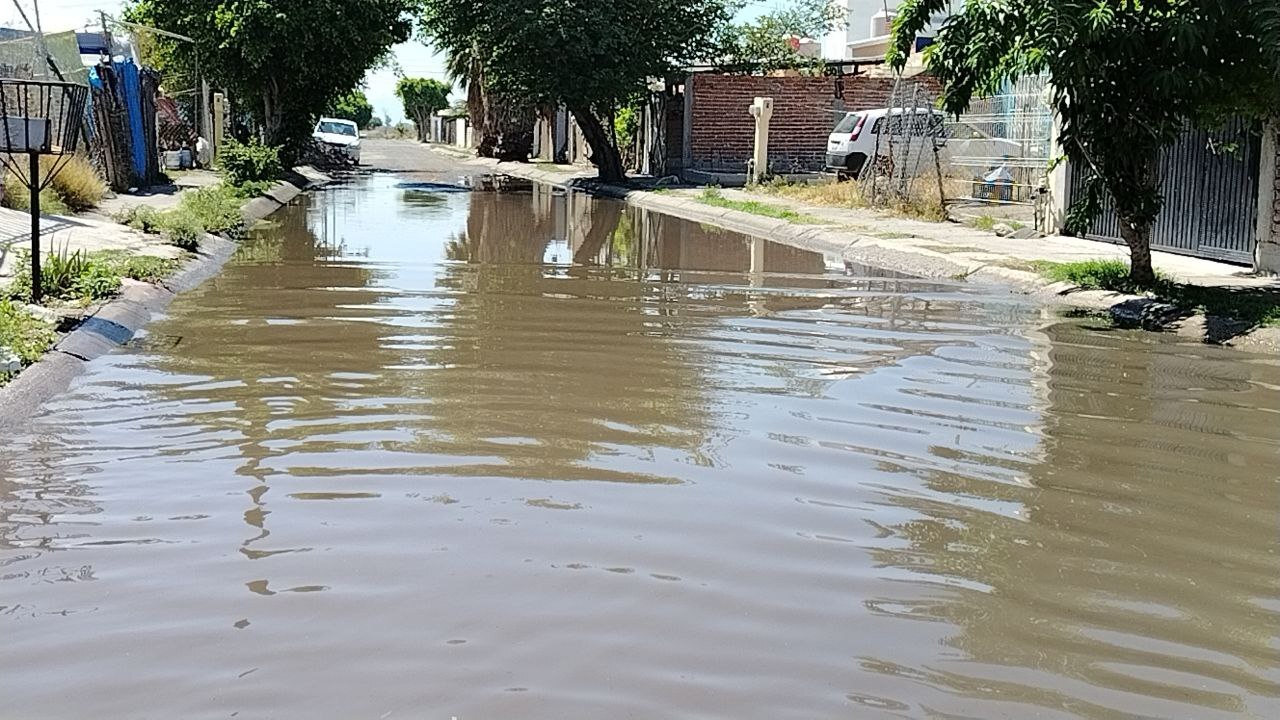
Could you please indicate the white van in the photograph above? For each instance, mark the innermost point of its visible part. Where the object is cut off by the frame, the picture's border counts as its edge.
(855, 137)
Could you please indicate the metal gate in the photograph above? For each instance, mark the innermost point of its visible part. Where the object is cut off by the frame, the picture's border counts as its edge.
(1210, 186)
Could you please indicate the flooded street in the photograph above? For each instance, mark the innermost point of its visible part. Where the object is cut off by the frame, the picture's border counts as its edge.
(421, 453)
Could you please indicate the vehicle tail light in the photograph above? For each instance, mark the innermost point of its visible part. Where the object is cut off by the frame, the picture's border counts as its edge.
(857, 129)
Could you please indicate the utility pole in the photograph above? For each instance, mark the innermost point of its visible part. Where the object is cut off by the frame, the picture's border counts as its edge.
(106, 33)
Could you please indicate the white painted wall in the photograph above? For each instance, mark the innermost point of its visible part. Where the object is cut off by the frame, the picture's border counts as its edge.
(858, 17)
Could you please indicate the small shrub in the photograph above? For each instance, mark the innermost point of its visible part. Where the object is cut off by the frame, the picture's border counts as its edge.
(140, 217)
(17, 197)
(96, 281)
(75, 188)
(77, 184)
(983, 222)
(252, 188)
(713, 196)
(181, 229)
(69, 276)
(146, 268)
(252, 162)
(216, 208)
(26, 335)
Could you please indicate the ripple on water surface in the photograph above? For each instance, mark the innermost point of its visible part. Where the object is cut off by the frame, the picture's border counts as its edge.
(430, 453)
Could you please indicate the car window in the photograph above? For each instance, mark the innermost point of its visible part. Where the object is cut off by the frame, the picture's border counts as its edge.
(918, 124)
(337, 128)
(847, 123)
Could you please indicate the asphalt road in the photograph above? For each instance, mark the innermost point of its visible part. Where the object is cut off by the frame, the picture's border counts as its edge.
(411, 158)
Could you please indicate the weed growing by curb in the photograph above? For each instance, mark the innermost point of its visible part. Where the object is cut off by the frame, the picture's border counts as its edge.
(712, 196)
(1251, 306)
(23, 334)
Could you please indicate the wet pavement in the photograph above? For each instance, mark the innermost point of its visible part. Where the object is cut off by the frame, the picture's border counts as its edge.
(426, 453)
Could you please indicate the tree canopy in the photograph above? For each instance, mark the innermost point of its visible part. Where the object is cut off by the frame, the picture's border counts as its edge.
(588, 55)
(768, 42)
(353, 106)
(422, 97)
(1127, 77)
(285, 62)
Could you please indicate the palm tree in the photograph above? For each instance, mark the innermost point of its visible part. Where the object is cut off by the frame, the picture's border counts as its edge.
(503, 125)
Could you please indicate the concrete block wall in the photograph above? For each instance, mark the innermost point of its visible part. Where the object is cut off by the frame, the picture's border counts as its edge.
(1267, 254)
(805, 108)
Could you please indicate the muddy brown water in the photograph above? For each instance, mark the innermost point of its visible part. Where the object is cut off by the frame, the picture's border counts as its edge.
(431, 454)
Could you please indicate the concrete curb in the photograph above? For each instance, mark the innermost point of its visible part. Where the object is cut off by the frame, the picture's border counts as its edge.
(868, 250)
(117, 321)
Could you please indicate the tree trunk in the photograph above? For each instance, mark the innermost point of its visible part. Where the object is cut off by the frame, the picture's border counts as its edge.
(1135, 190)
(512, 123)
(604, 154)
(1138, 237)
(272, 117)
(421, 124)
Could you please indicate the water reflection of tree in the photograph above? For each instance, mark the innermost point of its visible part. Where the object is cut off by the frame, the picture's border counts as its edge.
(300, 317)
(1143, 553)
(557, 375)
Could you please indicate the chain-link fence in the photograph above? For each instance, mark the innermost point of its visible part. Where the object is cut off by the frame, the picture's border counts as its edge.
(991, 161)
(998, 153)
(905, 167)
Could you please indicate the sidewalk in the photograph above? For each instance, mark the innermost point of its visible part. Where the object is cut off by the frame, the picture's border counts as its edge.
(89, 233)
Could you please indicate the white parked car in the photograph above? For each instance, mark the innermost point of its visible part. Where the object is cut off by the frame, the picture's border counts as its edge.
(859, 135)
(341, 134)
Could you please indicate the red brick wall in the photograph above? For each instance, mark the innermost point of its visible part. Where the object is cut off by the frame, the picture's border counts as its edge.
(804, 111)
(722, 130)
(865, 92)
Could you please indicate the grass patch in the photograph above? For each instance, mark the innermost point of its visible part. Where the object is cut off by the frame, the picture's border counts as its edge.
(213, 209)
(144, 268)
(216, 208)
(139, 217)
(1098, 274)
(922, 205)
(74, 277)
(712, 196)
(24, 335)
(949, 249)
(985, 223)
(81, 278)
(1251, 306)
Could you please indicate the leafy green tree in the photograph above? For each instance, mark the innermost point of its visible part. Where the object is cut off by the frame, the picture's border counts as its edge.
(587, 55)
(1127, 77)
(768, 42)
(422, 98)
(284, 61)
(501, 122)
(353, 106)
